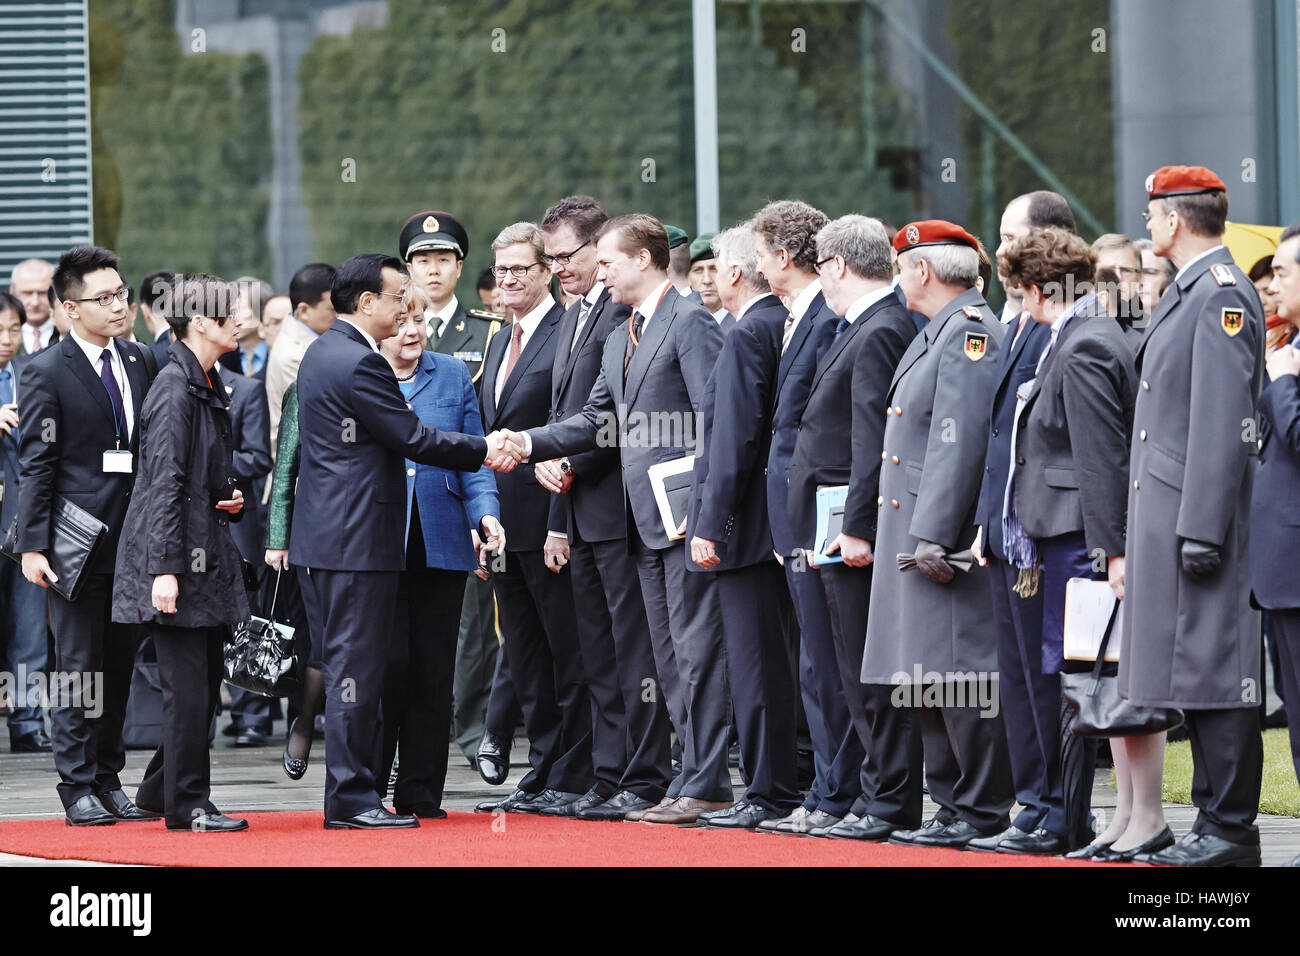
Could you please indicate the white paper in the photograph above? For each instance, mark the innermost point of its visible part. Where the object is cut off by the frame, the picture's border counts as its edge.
(1087, 609)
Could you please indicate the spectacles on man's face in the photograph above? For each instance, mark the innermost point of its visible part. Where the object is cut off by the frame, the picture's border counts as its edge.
(519, 272)
(563, 258)
(819, 265)
(105, 299)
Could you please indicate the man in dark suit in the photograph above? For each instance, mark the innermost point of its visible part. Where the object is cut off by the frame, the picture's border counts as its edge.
(587, 531)
(22, 604)
(840, 435)
(78, 419)
(348, 518)
(535, 606)
(786, 246)
(731, 539)
(156, 290)
(250, 358)
(646, 399)
(1274, 505)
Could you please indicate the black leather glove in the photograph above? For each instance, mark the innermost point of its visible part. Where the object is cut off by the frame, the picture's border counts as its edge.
(930, 562)
(1200, 560)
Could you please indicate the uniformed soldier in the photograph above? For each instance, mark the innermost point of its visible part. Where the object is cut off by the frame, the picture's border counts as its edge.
(931, 649)
(433, 244)
(1191, 639)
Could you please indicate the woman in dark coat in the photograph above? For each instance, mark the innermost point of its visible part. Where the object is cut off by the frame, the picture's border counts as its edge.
(179, 572)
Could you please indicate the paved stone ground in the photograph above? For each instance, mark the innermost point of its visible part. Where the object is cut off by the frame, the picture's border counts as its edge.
(252, 780)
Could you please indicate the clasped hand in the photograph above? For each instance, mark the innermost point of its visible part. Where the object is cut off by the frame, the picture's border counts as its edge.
(505, 449)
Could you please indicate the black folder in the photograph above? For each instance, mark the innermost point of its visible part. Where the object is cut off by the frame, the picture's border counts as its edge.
(75, 538)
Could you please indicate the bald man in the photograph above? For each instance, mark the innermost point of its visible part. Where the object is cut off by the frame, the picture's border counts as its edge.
(30, 284)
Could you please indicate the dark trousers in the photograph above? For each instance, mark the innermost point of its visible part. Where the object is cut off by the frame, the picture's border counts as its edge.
(1286, 630)
(353, 612)
(541, 649)
(760, 655)
(87, 727)
(895, 748)
(22, 630)
(477, 648)
(629, 725)
(686, 628)
(1031, 702)
(178, 780)
(1227, 772)
(503, 713)
(417, 686)
(966, 763)
(846, 595)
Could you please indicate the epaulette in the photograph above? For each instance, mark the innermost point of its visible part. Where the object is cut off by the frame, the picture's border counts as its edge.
(484, 315)
(973, 312)
(1222, 274)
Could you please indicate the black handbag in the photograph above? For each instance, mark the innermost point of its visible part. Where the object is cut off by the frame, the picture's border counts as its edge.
(260, 657)
(1102, 712)
(75, 539)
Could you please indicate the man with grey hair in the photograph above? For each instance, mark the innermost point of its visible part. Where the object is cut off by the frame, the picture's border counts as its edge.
(30, 284)
(931, 655)
(839, 441)
(731, 539)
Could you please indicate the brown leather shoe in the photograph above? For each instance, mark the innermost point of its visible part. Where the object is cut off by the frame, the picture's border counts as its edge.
(686, 811)
(639, 814)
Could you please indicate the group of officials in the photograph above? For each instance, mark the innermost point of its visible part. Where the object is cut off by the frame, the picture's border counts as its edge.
(1047, 444)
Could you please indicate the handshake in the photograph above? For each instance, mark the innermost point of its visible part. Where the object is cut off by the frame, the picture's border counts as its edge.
(505, 449)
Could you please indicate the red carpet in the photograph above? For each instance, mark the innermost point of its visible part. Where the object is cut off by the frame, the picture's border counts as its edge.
(466, 839)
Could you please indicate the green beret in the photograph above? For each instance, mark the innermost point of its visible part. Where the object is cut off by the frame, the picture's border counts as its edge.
(702, 247)
(675, 236)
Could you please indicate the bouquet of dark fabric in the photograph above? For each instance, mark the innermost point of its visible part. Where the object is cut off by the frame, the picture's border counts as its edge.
(260, 656)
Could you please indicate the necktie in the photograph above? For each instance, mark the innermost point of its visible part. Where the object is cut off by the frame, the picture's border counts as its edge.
(516, 341)
(584, 309)
(435, 332)
(1024, 319)
(840, 327)
(789, 330)
(114, 393)
(638, 323)
(248, 364)
(6, 387)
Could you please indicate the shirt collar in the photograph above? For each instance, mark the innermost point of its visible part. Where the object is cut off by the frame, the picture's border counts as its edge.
(93, 352)
(534, 317)
(749, 304)
(1188, 265)
(862, 303)
(651, 302)
(364, 334)
(804, 299)
(594, 293)
(438, 320)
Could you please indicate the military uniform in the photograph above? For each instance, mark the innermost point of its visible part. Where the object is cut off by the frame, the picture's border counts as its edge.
(1189, 642)
(466, 337)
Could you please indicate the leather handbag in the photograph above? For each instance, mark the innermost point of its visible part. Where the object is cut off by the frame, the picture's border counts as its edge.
(260, 656)
(75, 538)
(1102, 712)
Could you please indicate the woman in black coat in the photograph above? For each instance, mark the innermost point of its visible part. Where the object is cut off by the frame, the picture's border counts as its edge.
(178, 572)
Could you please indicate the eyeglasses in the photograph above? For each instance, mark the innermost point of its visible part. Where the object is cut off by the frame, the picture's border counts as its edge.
(819, 265)
(395, 295)
(564, 257)
(519, 272)
(105, 299)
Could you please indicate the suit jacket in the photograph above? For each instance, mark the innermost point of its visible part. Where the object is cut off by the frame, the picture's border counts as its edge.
(525, 403)
(161, 348)
(250, 428)
(282, 369)
(1072, 440)
(1201, 366)
(913, 622)
(451, 502)
(1016, 363)
(467, 336)
(593, 505)
(841, 430)
(811, 338)
(653, 416)
(10, 468)
(65, 424)
(355, 429)
(728, 488)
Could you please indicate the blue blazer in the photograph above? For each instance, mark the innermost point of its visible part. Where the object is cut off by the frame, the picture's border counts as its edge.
(451, 502)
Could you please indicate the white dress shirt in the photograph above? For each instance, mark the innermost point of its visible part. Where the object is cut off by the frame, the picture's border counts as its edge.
(529, 323)
(370, 339)
(749, 304)
(435, 323)
(1192, 262)
(94, 354)
(592, 297)
(36, 337)
(860, 305)
(650, 303)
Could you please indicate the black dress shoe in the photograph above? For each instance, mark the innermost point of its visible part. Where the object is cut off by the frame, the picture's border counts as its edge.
(616, 807)
(425, 810)
(739, 816)
(1165, 838)
(954, 836)
(905, 837)
(1039, 843)
(989, 844)
(510, 804)
(1088, 852)
(376, 819)
(295, 767)
(1202, 849)
(867, 827)
(493, 759)
(546, 799)
(250, 737)
(120, 806)
(89, 812)
(230, 730)
(34, 743)
(212, 823)
(589, 799)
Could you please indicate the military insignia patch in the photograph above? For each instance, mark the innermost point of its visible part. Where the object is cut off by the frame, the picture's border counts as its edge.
(1232, 320)
(976, 342)
(1222, 274)
(430, 224)
(913, 235)
(460, 326)
(1150, 184)
(972, 312)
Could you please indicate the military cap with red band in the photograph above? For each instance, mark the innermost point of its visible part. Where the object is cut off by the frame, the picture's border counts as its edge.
(1183, 181)
(932, 232)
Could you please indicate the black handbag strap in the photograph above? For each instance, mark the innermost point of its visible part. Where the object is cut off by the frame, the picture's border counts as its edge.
(1105, 640)
(270, 613)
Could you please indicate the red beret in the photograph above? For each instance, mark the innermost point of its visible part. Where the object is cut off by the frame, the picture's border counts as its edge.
(1182, 181)
(932, 232)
